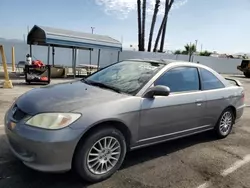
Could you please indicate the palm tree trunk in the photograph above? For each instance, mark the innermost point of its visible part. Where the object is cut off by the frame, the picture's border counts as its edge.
(159, 33)
(156, 9)
(139, 23)
(168, 5)
(143, 24)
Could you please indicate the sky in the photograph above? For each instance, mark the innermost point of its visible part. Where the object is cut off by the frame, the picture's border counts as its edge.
(218, 25)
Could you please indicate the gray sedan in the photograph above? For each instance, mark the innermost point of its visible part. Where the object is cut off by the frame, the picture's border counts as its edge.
(90, 124)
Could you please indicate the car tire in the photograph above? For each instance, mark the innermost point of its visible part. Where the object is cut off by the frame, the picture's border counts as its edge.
(225, 123)
(85, 153)
(247, 75)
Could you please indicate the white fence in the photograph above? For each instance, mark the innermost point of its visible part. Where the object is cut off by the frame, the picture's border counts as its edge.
(221, 65)
(64, 57)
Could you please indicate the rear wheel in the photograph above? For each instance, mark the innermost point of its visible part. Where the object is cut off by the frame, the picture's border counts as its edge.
(100, 155)
(225, 123)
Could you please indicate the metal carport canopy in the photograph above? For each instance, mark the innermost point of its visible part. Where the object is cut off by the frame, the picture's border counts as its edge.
(48, 36)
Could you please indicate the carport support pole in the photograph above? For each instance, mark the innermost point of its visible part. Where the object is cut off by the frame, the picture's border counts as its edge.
(53, 56)
(73, 62)
(98, 60)
(48, 55)
(90, 54)
(30, 50)
(118, 56)
(75, 57)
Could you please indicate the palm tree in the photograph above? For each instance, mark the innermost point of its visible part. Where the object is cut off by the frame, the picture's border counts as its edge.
(139, 23)
(162, 30)
(190, 49)
(156, 9)
(143, 24)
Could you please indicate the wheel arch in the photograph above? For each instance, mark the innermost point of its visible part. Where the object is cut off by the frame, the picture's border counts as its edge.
(105, 124)
(233, 109)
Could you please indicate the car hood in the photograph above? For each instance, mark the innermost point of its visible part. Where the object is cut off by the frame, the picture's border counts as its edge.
(65, 97)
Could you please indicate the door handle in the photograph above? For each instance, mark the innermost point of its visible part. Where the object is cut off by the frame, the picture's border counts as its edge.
(199, 100)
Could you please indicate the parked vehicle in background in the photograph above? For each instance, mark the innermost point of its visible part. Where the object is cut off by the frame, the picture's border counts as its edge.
(245, 67)
(89, 125)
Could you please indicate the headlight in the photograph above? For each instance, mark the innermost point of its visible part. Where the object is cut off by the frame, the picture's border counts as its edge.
(53, 120)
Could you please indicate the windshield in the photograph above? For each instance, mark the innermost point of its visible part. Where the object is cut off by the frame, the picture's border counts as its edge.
(126, 76)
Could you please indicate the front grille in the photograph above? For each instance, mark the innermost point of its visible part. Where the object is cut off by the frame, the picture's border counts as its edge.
(17, 113)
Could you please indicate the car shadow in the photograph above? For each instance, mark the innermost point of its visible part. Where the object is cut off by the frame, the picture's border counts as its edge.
(14, 174)
(165, 148)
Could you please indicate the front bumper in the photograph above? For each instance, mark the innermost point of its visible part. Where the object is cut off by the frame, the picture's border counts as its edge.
(39, 149)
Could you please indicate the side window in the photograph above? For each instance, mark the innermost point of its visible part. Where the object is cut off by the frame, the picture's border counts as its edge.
(180, 79)
(209, 80)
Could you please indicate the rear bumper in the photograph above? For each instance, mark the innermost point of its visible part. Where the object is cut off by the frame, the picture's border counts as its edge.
(239, 112)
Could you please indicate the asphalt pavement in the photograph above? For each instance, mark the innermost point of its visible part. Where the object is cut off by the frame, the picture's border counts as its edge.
(198, 161)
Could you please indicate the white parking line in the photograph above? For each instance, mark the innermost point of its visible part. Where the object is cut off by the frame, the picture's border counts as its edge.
(236, 166)
(226, 172)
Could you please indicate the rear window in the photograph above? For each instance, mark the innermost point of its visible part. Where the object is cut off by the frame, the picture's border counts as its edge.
(209, 80)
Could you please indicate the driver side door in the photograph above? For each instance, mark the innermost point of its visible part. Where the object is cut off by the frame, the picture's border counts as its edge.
(176, 115)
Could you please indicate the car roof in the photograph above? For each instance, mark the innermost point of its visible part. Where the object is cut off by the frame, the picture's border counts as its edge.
(163, 61)
(169, 61)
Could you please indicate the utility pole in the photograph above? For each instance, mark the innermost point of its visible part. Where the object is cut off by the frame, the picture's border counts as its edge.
(92, 30)
(196, 41)
(201, 47)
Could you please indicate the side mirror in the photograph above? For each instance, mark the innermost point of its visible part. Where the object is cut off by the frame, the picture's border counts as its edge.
(159, 90)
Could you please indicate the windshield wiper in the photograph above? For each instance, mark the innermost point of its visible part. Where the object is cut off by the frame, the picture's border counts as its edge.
(102, 85)
(85, 81)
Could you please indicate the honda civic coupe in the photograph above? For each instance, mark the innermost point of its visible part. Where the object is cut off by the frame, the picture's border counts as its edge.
(89, 125)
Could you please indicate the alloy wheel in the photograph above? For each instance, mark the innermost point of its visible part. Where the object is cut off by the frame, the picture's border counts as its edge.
(226, 123)
(103, 155)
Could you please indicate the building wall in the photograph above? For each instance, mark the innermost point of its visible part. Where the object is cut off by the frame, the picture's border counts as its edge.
(64, 56)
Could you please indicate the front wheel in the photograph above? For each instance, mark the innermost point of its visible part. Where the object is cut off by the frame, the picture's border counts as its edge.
(100, 155)
(225, 123)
